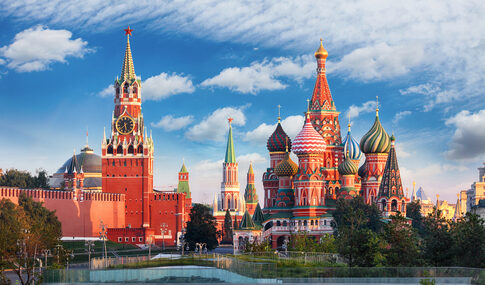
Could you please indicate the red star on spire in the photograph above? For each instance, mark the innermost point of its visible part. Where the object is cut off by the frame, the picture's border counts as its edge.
(230, 120)
(128, 31)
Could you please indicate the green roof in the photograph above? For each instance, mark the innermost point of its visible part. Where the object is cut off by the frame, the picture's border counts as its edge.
(183, 169)
(230, 154)
(246, 222)
(258, 217)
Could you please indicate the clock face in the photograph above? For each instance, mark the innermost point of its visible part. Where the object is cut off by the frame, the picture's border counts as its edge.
(125, 125)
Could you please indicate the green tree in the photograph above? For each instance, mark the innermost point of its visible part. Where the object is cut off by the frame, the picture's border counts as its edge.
(25, 231)
(437, 239)
(202, 227)
(402, 242)
(227, 231)
(356, 224)
(468, 238)
(413, 211)
(23, 179)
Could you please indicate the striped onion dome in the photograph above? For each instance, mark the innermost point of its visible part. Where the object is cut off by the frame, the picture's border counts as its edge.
(277, 141)
(286, 167)
(347, 167)
(308, 141)
(351, 147)
(376, 140)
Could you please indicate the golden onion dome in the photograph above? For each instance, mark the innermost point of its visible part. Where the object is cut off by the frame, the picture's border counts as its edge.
(321, 52)
(286, 167)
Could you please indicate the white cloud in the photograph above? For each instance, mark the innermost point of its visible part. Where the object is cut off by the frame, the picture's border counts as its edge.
(164, 85)
(291, 125)
(159, 87)
(36, 48)
(434, 94)
(106, 92)
(468, 138)
(170, 123)
(399, 116)
(254, 157)
(367, 107)
(263, 75)
(424, 89)
(378, 62)
(215, 127)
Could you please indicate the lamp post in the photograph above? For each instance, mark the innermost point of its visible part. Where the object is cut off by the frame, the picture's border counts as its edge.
(103, 236)
(45, 253)
(182, 241)
(199, 246)
(163, 228)
(89, 244)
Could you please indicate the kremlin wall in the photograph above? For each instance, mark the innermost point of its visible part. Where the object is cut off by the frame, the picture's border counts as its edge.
(116, 188)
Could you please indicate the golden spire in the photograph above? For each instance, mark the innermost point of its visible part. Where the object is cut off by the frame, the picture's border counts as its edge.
(321, 52)
(377, 105)
(349, 122)
(279, 113)
(128, 70)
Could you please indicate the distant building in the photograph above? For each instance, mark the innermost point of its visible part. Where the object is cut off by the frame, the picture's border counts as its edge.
(479, 209)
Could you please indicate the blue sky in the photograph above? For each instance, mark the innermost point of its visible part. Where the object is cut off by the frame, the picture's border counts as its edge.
(202, 61)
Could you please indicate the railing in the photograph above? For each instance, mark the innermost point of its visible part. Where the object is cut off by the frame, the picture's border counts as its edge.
(303, 257)
(225, 268)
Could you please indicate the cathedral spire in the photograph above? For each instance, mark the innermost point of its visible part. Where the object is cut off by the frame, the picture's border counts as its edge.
(230, 154)
(321, 98)
(391, 185)
(128, 70)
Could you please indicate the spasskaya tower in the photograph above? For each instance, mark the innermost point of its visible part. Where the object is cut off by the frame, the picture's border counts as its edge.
(127, 154)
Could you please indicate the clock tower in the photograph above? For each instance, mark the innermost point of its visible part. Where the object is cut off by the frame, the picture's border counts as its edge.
(127, 154)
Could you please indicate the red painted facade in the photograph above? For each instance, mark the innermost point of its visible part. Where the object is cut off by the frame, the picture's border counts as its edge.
(81, 215)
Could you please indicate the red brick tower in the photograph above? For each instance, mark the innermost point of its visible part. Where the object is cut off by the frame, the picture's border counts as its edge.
(324, 118)
(127, 155)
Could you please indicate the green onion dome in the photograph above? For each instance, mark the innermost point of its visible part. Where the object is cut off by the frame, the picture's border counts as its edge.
(376, 140)
(286, 167)
(347, 167)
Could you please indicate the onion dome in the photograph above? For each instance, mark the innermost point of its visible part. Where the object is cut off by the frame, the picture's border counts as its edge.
(308, 141)
(363, 170)
(376, 140)
(286, 167)
(321, 52)
(351, 147)
(277, 141)
(347, 167)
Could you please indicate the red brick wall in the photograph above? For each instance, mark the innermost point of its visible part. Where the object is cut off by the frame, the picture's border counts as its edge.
(78, 218)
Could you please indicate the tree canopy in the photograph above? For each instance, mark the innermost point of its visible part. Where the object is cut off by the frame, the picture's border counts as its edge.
(24, 179)
(26, 230)
(202, 227)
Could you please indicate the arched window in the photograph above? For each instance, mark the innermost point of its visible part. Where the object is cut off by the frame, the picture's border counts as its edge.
(131, 149)
(125, 88)
(394, 205)
(384, 205)
(135, 89)
(278, 223)
(140, 149)
(285, 224)
(403, 207)
(305, 222)
(119, 149)
(110, 149)
(311, 222)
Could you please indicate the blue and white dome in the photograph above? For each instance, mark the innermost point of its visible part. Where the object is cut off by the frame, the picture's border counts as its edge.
(352, 147)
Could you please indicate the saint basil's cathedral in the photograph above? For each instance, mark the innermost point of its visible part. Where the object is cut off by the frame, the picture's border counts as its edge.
(301, 197)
